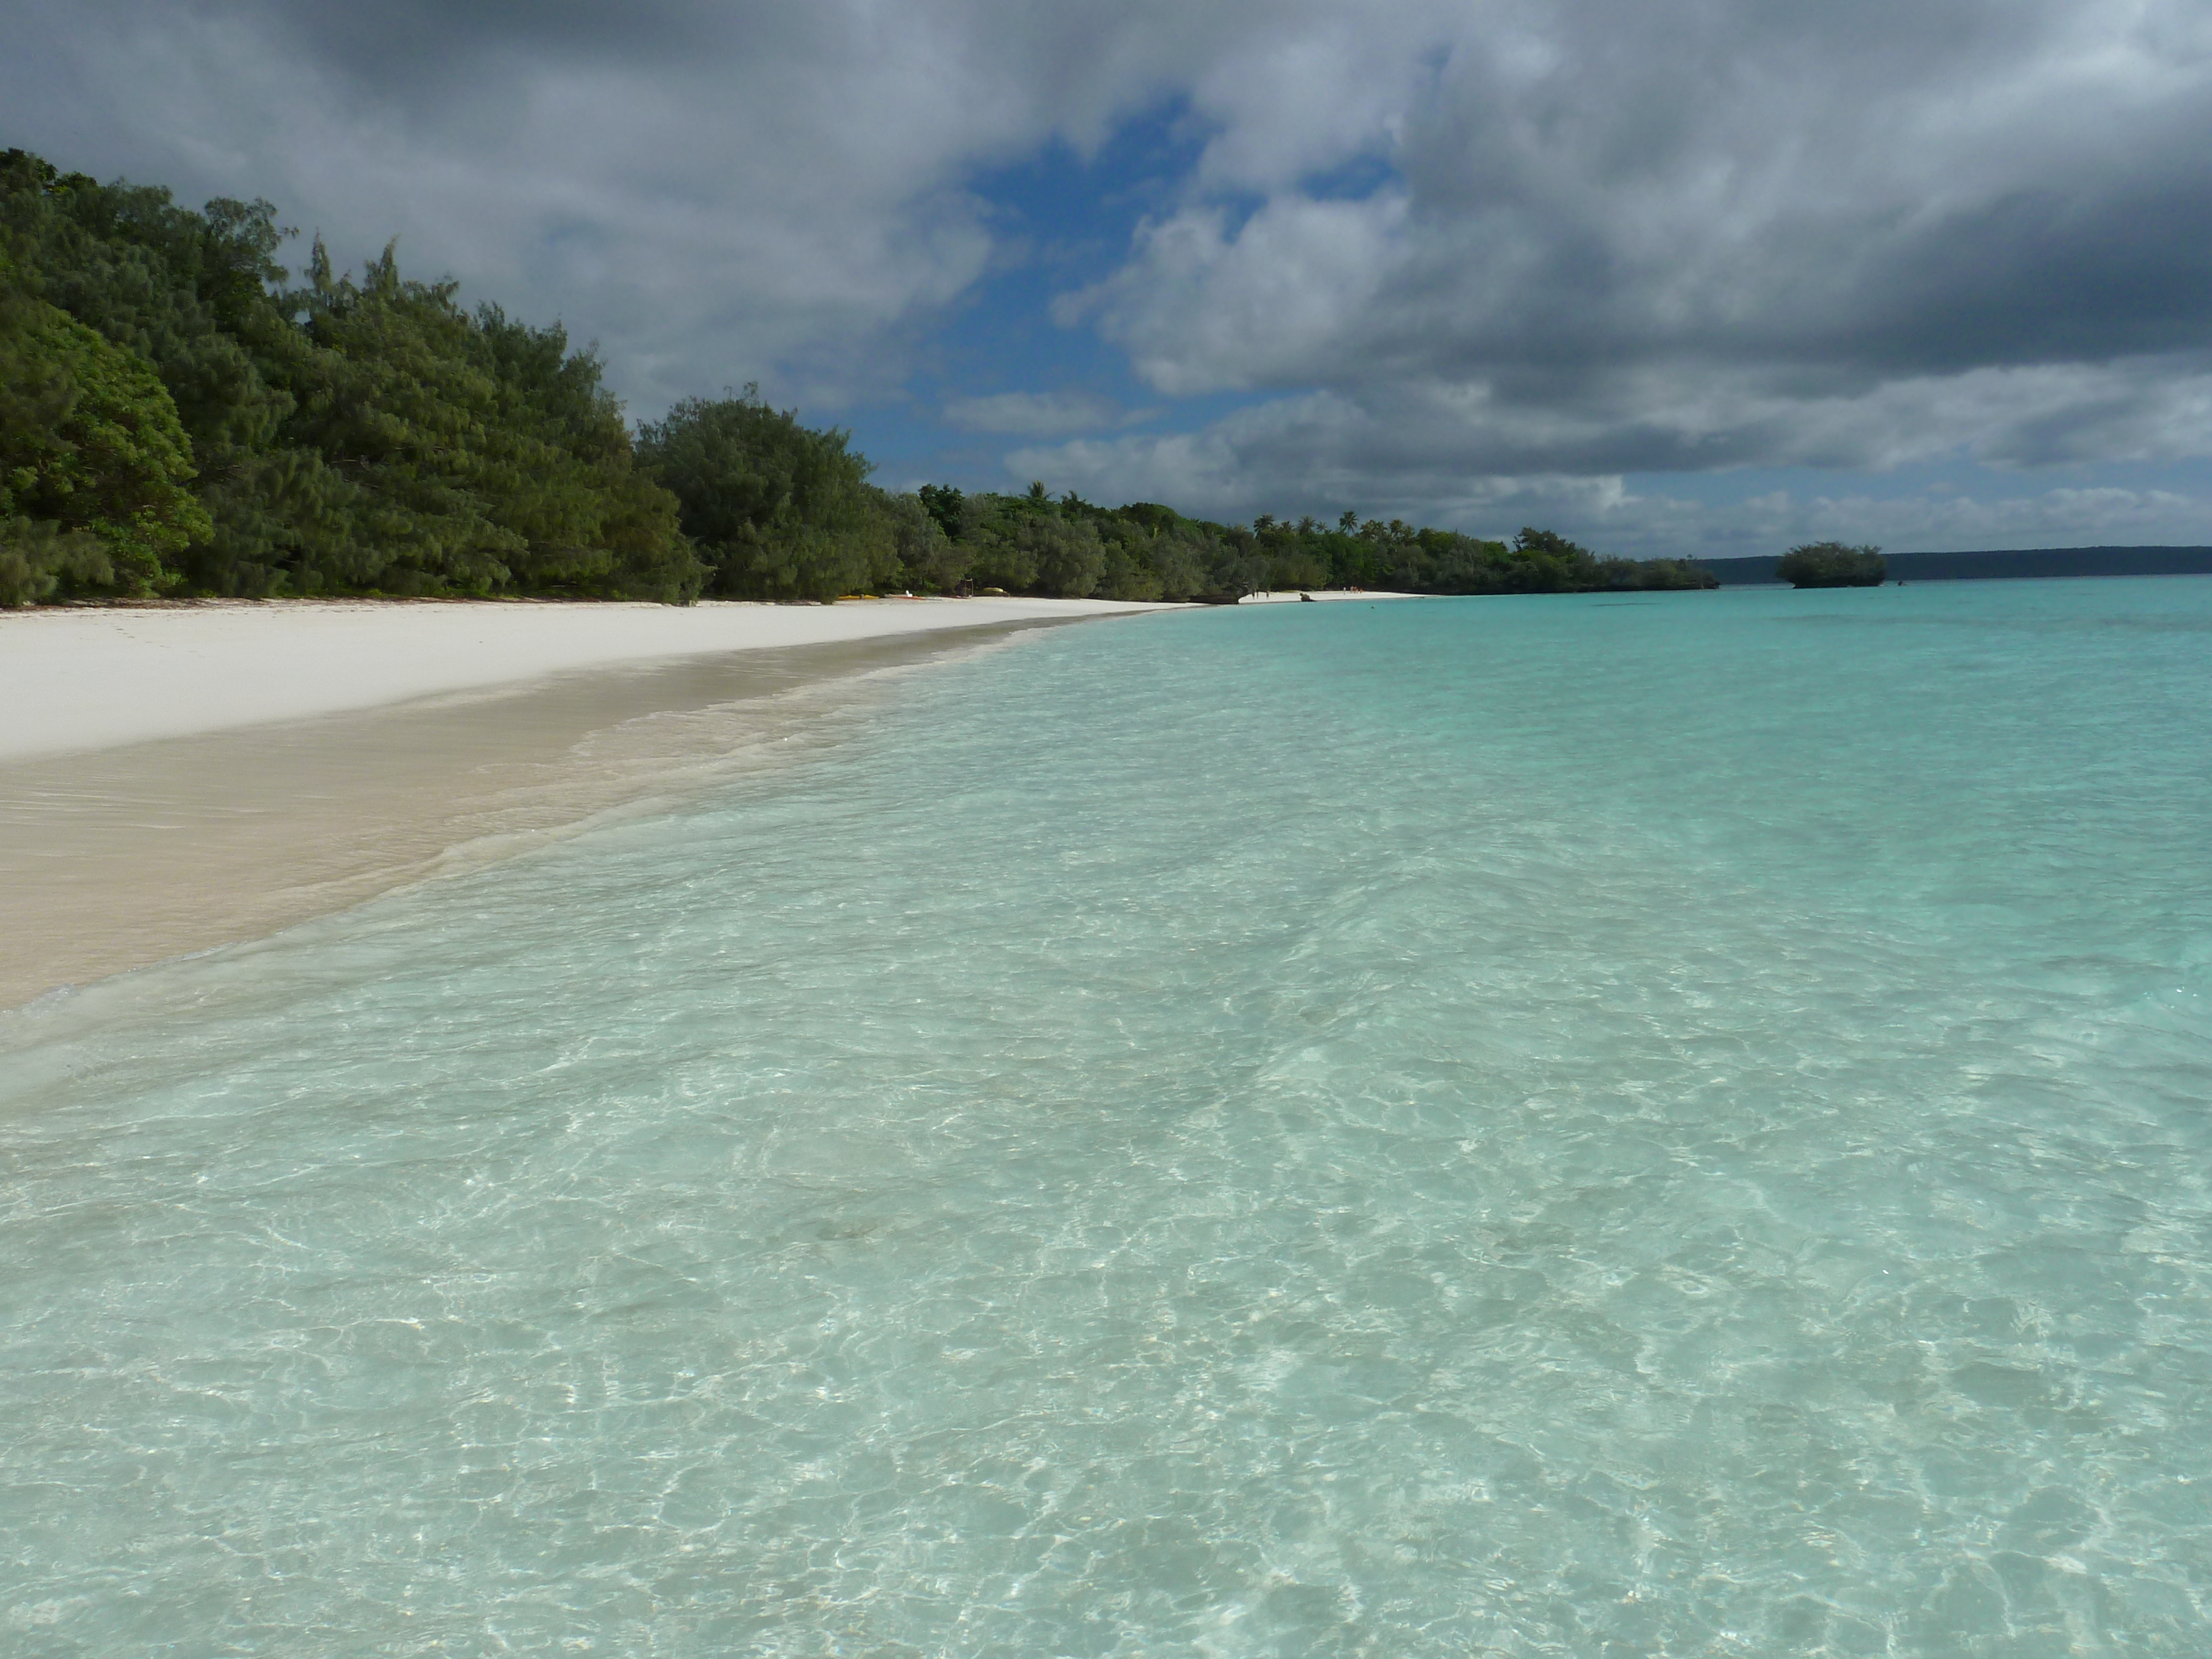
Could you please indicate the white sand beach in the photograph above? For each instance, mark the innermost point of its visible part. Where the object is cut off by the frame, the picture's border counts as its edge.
(1320, 595)
(75, 679)
(178, 777)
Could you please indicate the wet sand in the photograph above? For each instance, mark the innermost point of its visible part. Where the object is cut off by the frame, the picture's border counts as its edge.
(127, 855)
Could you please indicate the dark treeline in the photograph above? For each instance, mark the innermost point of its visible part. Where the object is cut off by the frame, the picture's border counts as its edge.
(1833, 564)
(177, 418)
(1065, 546)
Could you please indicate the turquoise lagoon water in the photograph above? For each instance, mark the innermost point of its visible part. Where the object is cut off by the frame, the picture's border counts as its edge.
(1675, 1125)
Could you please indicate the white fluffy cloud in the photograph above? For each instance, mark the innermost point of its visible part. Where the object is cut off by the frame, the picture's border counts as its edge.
(1202, 309)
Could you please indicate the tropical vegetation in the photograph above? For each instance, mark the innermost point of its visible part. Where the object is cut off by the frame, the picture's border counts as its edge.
(1833, 564)
(178, 416)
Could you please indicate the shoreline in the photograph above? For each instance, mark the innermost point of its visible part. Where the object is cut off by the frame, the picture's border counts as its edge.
(220, 830)
(77, 679)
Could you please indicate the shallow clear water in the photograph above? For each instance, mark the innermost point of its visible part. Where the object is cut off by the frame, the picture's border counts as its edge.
(1565, 1126)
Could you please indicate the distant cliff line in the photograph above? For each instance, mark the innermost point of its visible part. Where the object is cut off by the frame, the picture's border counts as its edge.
(1983, 567)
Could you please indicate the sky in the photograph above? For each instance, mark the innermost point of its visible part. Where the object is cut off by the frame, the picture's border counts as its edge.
(1710, 277)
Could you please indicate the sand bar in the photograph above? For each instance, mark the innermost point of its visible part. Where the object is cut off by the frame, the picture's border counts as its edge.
(175, 779)
(1321, 595)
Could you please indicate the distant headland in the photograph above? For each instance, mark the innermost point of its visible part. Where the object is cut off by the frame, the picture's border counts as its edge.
(1997, 563)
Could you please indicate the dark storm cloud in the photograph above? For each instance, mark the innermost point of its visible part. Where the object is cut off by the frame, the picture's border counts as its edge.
(1448, 252)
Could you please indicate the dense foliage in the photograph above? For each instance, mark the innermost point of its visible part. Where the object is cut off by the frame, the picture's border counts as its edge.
(776, 510)
(174, 418)
(1833, 564)
(1066, 546)
(94, 460)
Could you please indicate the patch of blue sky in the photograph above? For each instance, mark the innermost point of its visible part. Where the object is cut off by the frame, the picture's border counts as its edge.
(1064, 222)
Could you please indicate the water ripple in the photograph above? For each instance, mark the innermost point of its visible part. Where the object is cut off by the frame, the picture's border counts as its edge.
(1429, 1129)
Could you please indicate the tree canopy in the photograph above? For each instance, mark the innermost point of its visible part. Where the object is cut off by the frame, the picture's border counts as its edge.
(776, 510)
(177, 418)
(1833, 564)
(1066, 546)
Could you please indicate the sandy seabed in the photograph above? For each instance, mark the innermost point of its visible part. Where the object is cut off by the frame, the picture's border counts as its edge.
(174, 778)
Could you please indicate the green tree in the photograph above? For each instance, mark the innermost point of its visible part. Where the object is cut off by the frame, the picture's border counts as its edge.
(1177, 558)
(943, 503)
(997, 557)
(1068, 556)
(593, 523)
(929, 560)
(188, 293)
(777, 510)
(1127, 570)
(394, 398)
(1833, 564)
(38, 393)
(38, 557)
(92, 450)
(474, 454)
(350, 436)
